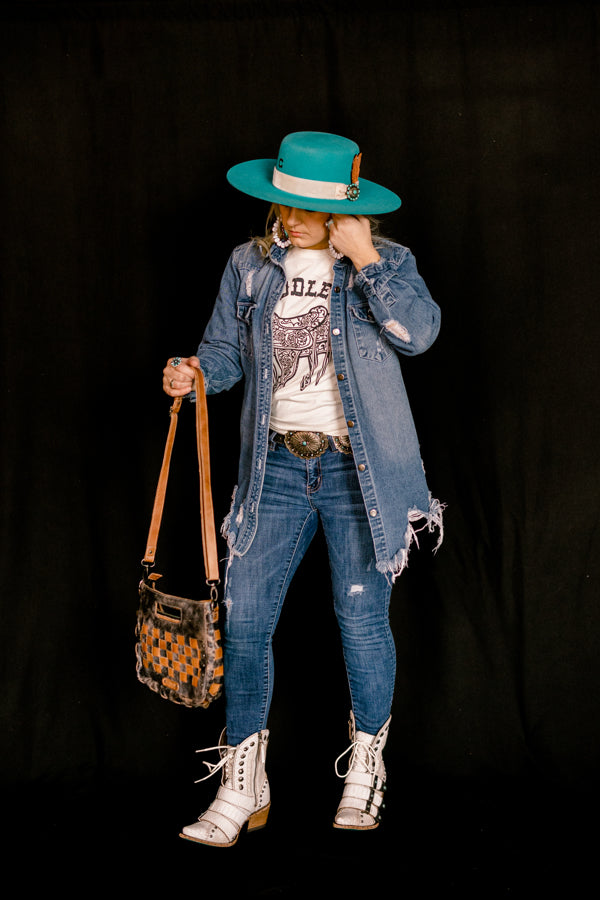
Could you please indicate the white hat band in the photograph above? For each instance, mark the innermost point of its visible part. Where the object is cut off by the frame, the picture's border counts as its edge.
(305, 187)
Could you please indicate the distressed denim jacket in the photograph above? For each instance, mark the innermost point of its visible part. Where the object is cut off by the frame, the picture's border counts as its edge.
(377, 314)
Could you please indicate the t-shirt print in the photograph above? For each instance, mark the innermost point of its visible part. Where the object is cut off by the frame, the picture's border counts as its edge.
(301, 339)
(305, 388)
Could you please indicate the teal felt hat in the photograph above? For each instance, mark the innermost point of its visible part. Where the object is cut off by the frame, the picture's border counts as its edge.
(316, 171)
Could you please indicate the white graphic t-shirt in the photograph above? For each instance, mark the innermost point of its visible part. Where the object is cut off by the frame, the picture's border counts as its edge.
(305, 390)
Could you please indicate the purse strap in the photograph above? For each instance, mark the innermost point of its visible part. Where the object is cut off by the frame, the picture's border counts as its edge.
(207, 516)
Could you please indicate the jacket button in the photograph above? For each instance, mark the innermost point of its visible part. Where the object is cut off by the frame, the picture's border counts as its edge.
(340, 377)
(350, 423)
(336, 331)
(336, 290)
(372, 513)
(361, 467)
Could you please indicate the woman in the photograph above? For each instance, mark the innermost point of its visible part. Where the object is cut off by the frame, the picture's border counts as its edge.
(314, 317)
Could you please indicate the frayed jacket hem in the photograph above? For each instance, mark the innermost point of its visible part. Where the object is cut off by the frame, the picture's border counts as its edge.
(431, 520)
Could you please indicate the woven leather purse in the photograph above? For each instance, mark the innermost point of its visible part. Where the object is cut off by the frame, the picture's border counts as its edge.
(179, 652)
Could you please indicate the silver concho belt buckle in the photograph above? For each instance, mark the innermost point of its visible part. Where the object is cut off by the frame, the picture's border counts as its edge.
(306, 444)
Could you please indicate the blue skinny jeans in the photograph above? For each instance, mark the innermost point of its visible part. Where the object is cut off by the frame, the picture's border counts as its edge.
(297, 494)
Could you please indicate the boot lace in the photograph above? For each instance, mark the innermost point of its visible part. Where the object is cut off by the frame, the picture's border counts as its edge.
(361, 754)
(226, 753)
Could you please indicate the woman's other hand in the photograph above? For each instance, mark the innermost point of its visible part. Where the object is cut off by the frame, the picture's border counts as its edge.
(351, 235)
(178, 380)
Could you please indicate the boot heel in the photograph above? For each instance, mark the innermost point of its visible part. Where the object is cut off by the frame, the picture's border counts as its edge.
(259, 818)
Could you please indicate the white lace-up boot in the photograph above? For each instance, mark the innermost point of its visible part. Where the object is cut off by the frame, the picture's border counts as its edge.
(364, 784)
(243, 797)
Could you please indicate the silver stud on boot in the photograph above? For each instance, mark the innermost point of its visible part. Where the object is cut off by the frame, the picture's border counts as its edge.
(243, 798)
(364, 782)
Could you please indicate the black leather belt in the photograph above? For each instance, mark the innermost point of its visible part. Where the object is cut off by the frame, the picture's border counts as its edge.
(310, 444)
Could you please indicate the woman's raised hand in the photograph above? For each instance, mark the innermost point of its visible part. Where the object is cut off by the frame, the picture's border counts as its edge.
(351, 235)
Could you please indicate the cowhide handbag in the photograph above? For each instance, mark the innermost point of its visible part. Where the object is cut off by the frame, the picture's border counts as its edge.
(179, 652)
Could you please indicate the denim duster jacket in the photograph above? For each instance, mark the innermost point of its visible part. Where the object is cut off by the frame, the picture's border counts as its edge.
(378, 314)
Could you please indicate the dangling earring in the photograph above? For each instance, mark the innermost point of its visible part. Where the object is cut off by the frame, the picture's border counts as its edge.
(335, 253)
(277, 232)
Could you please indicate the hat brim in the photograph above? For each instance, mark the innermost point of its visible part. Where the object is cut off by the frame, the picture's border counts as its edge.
(255, 178)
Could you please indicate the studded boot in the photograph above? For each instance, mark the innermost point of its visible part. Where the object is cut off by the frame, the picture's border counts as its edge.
(364, 782)
(242, 799)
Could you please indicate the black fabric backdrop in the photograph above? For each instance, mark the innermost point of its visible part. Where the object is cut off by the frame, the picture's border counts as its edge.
(119, 121)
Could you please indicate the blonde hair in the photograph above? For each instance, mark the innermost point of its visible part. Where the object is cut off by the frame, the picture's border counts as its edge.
(266, 241)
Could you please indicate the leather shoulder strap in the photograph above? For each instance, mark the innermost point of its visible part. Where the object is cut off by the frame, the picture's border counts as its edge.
(209, 538)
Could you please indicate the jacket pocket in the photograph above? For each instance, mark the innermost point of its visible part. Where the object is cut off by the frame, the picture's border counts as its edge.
(369, 340)
(245, 315)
